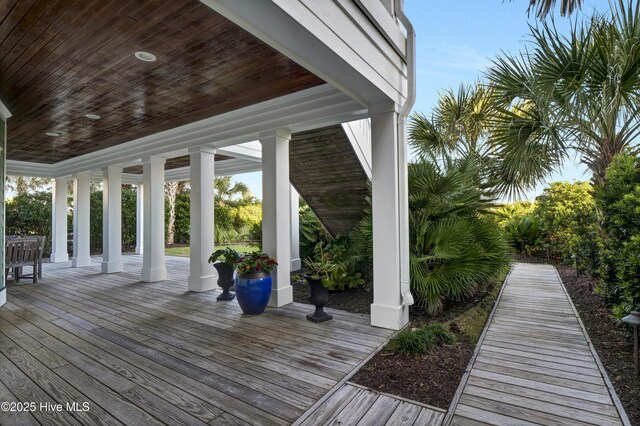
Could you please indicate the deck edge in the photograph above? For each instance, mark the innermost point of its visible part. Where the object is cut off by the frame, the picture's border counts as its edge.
(343, 381)
(465, 377)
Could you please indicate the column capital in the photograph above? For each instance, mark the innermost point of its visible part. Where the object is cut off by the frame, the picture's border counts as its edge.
(85, 173)
(111, 169)
(204, 149)
(275, 133)
(63, 178)
(154, 159)
(383, 108)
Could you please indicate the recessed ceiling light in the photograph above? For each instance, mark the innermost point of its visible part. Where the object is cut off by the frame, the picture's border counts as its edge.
(93, 116)
(146, 56)
(52, 134)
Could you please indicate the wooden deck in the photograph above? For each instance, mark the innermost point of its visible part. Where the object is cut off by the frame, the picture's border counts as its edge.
(152, 354)
(354, 405)
(535, 364)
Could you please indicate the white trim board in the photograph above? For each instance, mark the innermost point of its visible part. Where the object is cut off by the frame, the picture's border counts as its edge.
(4, 111)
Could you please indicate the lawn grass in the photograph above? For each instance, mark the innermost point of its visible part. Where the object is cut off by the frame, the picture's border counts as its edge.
(185, 250)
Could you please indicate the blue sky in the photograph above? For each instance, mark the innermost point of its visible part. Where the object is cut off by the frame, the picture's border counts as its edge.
(456, 40)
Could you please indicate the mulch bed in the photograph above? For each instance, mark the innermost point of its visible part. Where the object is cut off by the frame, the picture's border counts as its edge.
(613, 342)
(432, 379)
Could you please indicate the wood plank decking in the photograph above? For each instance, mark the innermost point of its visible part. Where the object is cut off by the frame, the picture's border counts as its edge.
(535, 364)
(357, 406)
(153, 353)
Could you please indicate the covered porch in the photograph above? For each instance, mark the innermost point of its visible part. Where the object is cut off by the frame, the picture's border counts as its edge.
(141, 353)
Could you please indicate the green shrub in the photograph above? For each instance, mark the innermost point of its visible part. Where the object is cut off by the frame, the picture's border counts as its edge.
(30, 214)
(618, 197)
(419, 341)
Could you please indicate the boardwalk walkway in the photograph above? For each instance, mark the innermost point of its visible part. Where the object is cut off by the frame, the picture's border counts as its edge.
(535, 364)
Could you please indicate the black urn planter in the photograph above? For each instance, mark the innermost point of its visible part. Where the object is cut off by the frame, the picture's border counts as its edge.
(225, 280)
(319, 297)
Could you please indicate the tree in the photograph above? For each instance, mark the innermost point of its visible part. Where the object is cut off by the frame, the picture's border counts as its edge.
(543, 7)
(24, 184)
(172, 190)
(226, 192)
(576, 93)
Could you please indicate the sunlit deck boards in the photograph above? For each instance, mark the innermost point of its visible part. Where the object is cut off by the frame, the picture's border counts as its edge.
(143, 353)
(357, 406)
(535, 365)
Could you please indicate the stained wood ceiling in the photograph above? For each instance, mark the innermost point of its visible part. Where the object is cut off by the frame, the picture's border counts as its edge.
(62, 59)
(172, 163)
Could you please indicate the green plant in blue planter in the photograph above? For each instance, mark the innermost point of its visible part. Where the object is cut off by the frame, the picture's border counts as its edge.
(253, 281)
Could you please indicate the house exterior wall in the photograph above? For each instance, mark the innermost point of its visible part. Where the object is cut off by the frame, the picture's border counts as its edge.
(3, 142)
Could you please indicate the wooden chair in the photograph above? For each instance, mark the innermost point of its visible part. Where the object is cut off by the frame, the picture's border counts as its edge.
(21, 252)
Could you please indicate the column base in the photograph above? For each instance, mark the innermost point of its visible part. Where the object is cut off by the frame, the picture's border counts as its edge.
(392, 317)
(281, 296)
(112, 267)
(79, 262)
(200, 284)
(59, 257)
(296, 264)
(139, 250)
(153, 275)
(3, 296)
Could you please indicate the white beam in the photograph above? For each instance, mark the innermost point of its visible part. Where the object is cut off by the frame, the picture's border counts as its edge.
(202, 275)
(112, 219)
(153, 265)
(81, 220)
(139, 218)
(389, 170)
(276, 211)
(60, 210)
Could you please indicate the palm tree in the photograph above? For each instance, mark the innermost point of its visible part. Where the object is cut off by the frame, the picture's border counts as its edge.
(544, 6)
(459, 124)
(226, 192)
(171, 191)
(575, 93)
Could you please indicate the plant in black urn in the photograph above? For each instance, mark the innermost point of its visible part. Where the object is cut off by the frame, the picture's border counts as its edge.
(317, 272)
(224, 260)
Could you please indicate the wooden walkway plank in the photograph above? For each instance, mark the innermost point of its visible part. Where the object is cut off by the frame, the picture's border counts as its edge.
(534, 363)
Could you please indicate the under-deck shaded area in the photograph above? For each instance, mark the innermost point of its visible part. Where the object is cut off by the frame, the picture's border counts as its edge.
(154, 353)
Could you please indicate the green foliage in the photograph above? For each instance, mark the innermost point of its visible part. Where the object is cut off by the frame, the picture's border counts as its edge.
(455, 245)
(619, 199)
(570, 221)
(227, 255)
(522, 226)
(30, 214)
(419, 341)
(128, 218)
(312, 233)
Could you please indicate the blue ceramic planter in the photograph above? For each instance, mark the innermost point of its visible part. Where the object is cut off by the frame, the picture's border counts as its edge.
(253, 292)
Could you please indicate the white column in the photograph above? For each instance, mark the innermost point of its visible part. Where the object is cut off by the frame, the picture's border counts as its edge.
(81, 220)
(202, 275)
(60, 209)
(139, 218)
(153, 266)
(389, 196)
(112, 219)
(276, 211)
(296, 263)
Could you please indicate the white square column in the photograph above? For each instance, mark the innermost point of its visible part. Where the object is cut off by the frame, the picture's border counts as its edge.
(81, 220)
(111, 219)
(390, 222)
(202, 275)
(59, 231)
(276, 211)
(296, 263)
(139, 218)
(153, 265)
